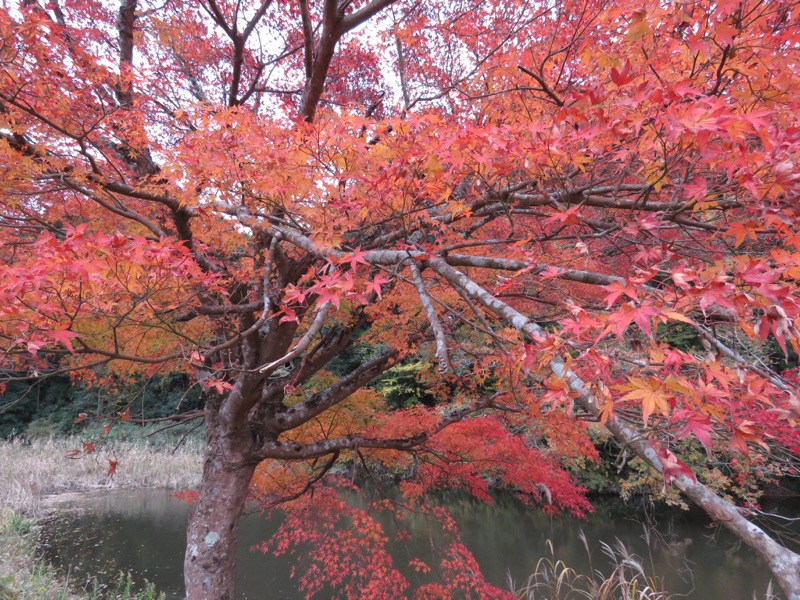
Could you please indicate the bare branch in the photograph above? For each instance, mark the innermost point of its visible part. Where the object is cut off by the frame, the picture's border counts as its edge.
(438, 333)
(113, 355)
(308, 485)
(302, 343)
(308, 38)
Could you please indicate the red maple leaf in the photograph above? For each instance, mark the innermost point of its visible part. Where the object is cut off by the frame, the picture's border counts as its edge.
(695, 424)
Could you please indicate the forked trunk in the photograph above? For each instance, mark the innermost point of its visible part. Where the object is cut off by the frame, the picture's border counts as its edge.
(209, 567)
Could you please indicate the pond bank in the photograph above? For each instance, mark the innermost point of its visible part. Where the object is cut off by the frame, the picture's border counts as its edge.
(21, 575)
(39, 475)
(39, 479)
(24, 575)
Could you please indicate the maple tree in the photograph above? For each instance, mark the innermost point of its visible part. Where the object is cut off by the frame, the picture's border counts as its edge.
(530, 195)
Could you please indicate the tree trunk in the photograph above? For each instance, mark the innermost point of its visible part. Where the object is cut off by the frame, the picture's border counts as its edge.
(209, 567)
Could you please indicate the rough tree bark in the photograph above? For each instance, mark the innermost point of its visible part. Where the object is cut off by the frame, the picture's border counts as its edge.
(210, 561)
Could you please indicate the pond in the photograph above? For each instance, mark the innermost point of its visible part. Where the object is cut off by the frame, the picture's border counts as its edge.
(142, 532)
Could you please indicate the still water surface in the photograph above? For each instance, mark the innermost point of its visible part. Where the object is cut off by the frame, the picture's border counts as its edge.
(142, 532)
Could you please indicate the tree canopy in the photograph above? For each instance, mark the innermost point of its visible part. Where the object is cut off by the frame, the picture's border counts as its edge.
(529, 198)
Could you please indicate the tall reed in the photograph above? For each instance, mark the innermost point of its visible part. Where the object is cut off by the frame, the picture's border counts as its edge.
(625, 579)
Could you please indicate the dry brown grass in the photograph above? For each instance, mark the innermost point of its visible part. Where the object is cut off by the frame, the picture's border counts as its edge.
(552, 579)
(31, 471)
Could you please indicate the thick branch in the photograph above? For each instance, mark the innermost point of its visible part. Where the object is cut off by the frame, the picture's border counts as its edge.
(323, 54)
(125, 24)
(401, 69)
(298, 414)
(334, 25)
(308, 38)
(334, 341)
(544, 87)
(117, 210)
(216, 310)
(364, 14)
(300, 451)
(216, 14)
(128, 190)
(492, 262)
(596, 200)
(238, 60)
(783, 563)
(394, 257)
(260, 12)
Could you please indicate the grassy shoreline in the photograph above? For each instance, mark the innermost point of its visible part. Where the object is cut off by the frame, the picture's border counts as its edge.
(21, 574)
(33, 474)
